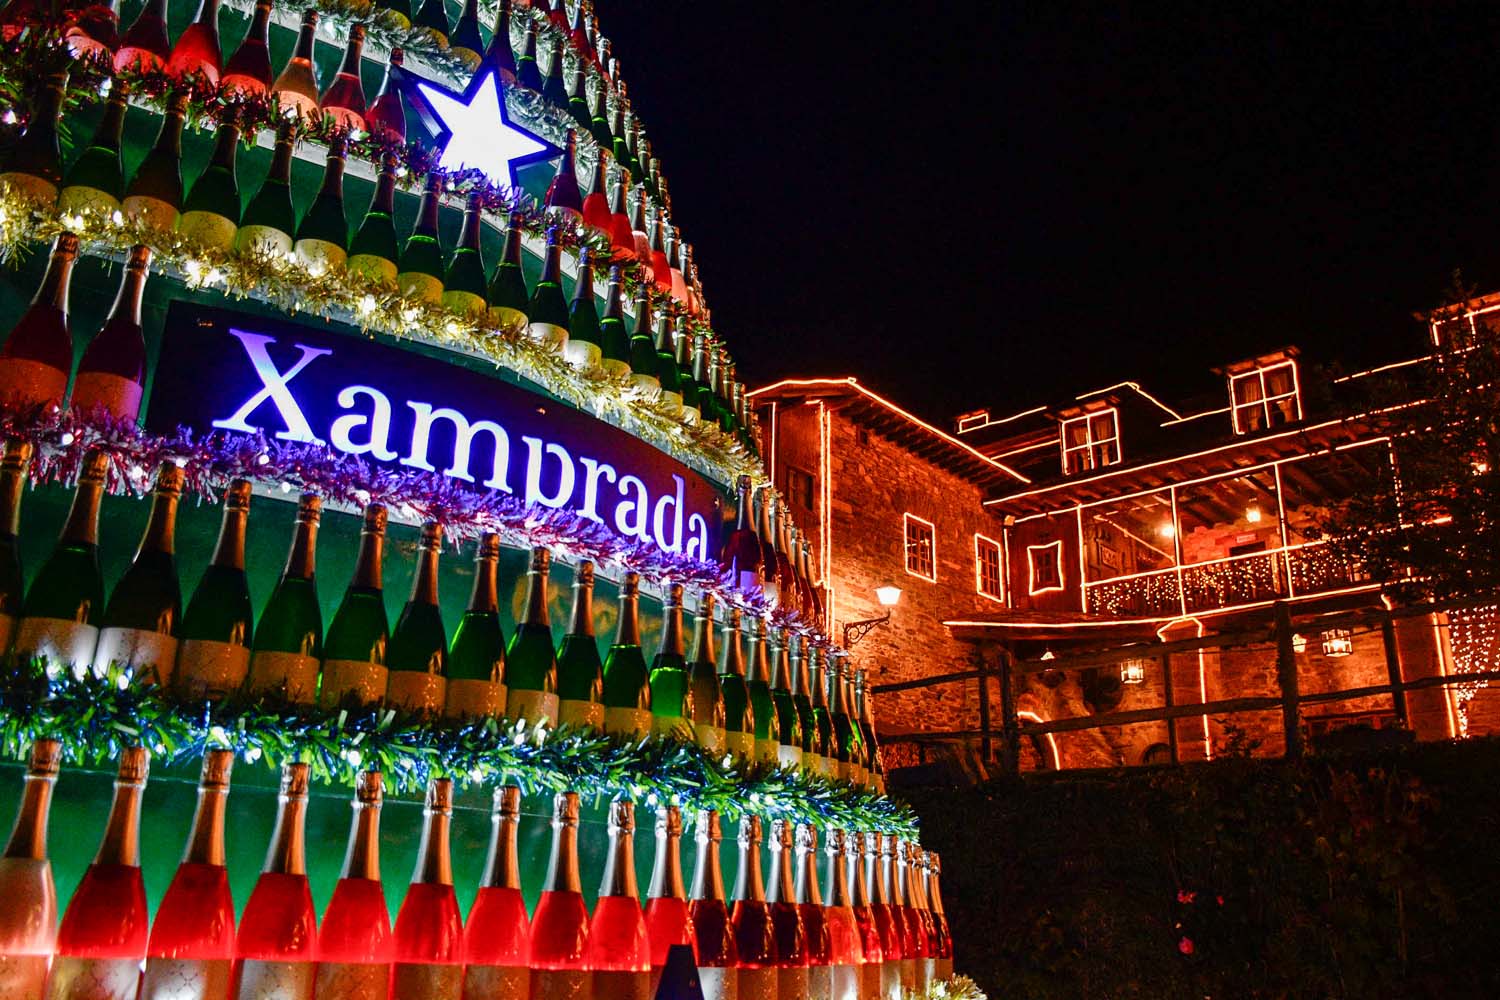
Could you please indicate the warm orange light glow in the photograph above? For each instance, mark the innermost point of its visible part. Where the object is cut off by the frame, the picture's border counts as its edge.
(1032, 552)
(888, 597)
(906, 519)
(1030, 716)
(1136, 387)
(1208, 742)
(982, 542)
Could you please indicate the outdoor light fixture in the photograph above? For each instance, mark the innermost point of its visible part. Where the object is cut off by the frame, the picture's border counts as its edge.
(1299, 643)
(1338, 642)
(854, 631)
(1133, 672)
(1167, 530)
(1252, 514)
(888, 596)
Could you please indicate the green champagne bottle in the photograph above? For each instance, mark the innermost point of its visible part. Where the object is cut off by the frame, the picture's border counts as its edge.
(213, 654)
(13, 465)
(615, 343)
(585, 346)
(687, 385)
(788, 731)
(476, 662)
(627, 682)
(762, 704)
(580, 675)
(718, 362)
(463, 285)
(703, 681)
(553, 87)
(323, 236)
(666, 364)
(34, 167)
(643, 362)
(60, 616)
(289, 637)
(845, 736)
(269, 221)
(598, 123)
(825, 746)
(418, 653)
(707, 406)
(374, 251)
(671, 696)
(739, 713)
(466, 43)
(96, 182)
(507, 293)
(617, 145)
(139, 628)
(859, 750)
(578, 101)
(421, 269)
(211, 214)
(154, 196)
(530, 662)
(812, 760)
(863, 702)
(528, 75)
(433, 17)
(354, 670)
(547, 313)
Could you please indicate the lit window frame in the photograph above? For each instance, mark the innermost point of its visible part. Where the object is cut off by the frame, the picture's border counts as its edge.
(1086, 453)
(982, 543)
(1264, 403)
(907, 520)
(1062, 577)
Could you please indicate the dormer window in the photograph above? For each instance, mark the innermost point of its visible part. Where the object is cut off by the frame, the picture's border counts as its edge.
(1265, 397)
(1090, 441)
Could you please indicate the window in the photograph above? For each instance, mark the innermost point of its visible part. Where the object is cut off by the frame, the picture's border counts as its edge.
(799, 487)
(1045, 563)
(1265, 397)
(1090, 441)
(988, 578)
(921, 547)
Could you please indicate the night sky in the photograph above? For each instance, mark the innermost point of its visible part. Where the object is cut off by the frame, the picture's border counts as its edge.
(1000, 209)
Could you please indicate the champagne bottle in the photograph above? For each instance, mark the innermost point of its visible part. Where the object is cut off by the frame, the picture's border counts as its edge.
(374, 251)
(467, 44)
(476, 663)
(211, 214)
(640, 348)
(547, 313)
(59, 619)
(154, 196)
(788, 731)
(585, 347)
(666, 364)
(145, 47)
(903, 925)
(687, 383)
(805, 569)
(614, 342)
(754, 937)
(323, 235)
(911, 913)
(248, 72)
(627, 682)
(844, 742)
(596, 214)
(886, 923)
(739, 714)
(528, 75)
(792, 957)
(638, 226)
(276, 947)
(421, 268)
(139, 628)
(386, 118)
(463, 284)
(429, 930)
(344, 100)
(95, 33)
(354, 670)
(762, 705)
(765, 517)
(703, 681)
(296, 87)
(661, 270)
(498, 57)
(38, 354)
(801, 671)
(553, 88)
(621, 153)
(497, 938)
(671, 696)
(580, 677)
(354, 943)
(197, 50)
(96, 181)
(825, 747)
(846, 950)
(703, 397)
(820, 958)
(674, 266)
(787, 594)
(863, 702)
(927, 926)
(34, 167)
(213, 656)
(621, 238)
(13, 463)
(191, 948)
(102, 941)
(531, 672)
(28, 922)
(619, 953)
(741, 555)
(433, 18)
(560, 925)
(846, 722)
(418, 653)
(507, 292)
(289, 639)
(564, 201)
(668, 923)
(713, 930)
(269, 221)
(874, 969)
(944, 965)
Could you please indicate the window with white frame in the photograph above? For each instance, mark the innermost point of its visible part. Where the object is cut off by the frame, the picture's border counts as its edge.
(1045, 565)
(989, 578)
(1265, 397)
(1090, 441)
(921, 547)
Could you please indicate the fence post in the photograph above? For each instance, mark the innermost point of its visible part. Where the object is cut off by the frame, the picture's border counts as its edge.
(1286, 679)
(1393, 667)
(986, 748)
(1010, 744)
(1171, 701)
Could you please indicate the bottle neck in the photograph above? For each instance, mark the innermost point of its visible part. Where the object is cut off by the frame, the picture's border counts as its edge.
(614, 301)
(582, 620)
(301, 560)
(742, 513)
(819, 682)
(427, 217)
(562, 865)
(28, 839)
(122, 840)
(53, 290)
(836, 877)
(734, 659)
(708, 874)
(384, 202)
(552, 268)
(367, 569)
(333, 175)
(259, 24)
(226, 145)
(666, 869)
(535, 612)
(230, 551)
(512, 255)
(583, 293)
(503, 868)
(934, 892)
(208, 15)
(434, 863)
(887, 891)
(800, 675)
(760, 661)
(161, 529)
(619, 866)
(424, 589)
(468, 236)
(305, 39)
(281, 160)
(671, 630)
(629, 631)
(12, 482)
(206, 842)
(288, 853)
(169, 139)
(113, 124)
(782, 888)
(861, 884)
(748, 884)
(127, 307)
(362, 858)
(807, 878)
(82, 526)
(485, 597)
(703, 639)
(352, 54)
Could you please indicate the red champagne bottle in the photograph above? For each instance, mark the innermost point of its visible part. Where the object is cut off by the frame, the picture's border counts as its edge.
(249, 70)
(38, 354)
(429, 931)
(864, 918)
(197, 49)
(741, 555)
(786, 921)
(621, 238)
(497, 938)
(916, 890)
(944, 965)
(596, 214)
(191, 950)
(145, 46)
(386, 118)
(276, 951)
(838, 915)
(619, 952)
(820, 973)
(560, 925)
(754, 937)
(28, 921)
(902, 930)
(788, 594)
(113, 370)
(95, 33)
(103, 936)
(564, 201)
(668, 924)
(914, 934)
(881, 913)
(713, 928)
(354, 943)
(345, 97)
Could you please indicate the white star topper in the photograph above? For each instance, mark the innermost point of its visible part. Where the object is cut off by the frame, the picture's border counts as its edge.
(475, 130)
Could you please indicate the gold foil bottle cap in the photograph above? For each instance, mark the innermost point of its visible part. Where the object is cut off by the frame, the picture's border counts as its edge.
(369, 788)
(294, 780)
(706, 604)
(585, 574)
(934, 863)
(673, 596)
(709, 827)
(440, 795)
(139, 257)
(885, 845)
(170, 479)
(310, 508)
(46, 759)
(541, 559)
(432, 535)
(66, 244)
(669, 821)
(376, 518)
(135, 766)
(834, 842)
(95, 466)
(565, 809)
(781, 833)
(807, 837)
(489, 546)
(622, 816)
(750, 831)
(237, 497)
(17, 454)
(630, 586)
(508, 802)
(217, 765)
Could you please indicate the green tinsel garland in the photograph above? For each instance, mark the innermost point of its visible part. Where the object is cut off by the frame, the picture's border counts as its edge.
(97, 717)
